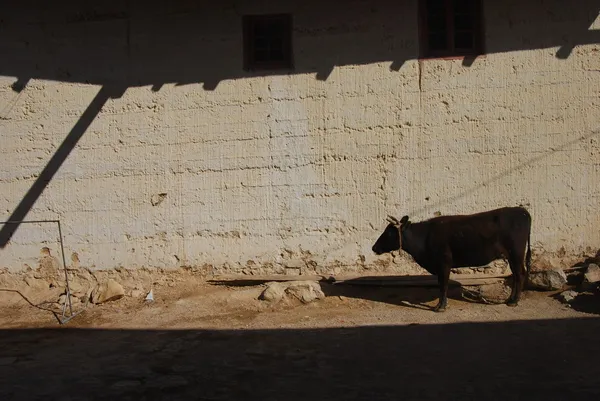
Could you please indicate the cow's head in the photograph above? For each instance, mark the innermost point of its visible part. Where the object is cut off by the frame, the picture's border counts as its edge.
(391, 239)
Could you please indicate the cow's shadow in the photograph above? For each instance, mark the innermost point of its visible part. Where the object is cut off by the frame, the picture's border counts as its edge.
(408, 296)
(417, 296)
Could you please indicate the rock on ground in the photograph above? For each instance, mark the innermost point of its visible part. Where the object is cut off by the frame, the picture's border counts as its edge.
(62, 299)
(548, 279)
(35, 283)
(305, 291)
(568, 296)
(78, 289)
(108, 291)
(592, 274)
(274, 292)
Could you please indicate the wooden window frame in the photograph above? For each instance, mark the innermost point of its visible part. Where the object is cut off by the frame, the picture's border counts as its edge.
(250, 63)
(451, 53)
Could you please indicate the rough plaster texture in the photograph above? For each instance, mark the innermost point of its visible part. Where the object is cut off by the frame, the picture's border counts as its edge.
(199, 163)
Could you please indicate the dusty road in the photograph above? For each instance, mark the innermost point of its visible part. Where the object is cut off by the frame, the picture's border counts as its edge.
(238, 349)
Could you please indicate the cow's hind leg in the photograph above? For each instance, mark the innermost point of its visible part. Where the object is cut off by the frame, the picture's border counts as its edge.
(443, 281)
(517, 269)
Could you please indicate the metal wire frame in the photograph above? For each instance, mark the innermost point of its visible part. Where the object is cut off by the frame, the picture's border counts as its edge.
(65, 319)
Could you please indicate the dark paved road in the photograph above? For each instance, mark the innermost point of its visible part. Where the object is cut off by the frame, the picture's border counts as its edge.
(523, 360)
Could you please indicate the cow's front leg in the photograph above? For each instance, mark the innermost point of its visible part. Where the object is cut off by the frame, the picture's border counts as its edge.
(443, 281)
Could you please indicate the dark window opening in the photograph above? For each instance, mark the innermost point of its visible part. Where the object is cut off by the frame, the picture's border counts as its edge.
(451, 28)
(267, 42)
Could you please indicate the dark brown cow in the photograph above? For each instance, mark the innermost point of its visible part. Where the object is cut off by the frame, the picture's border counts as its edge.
(442, 243)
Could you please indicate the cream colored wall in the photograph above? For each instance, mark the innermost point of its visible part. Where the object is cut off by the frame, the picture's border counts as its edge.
(268, 171)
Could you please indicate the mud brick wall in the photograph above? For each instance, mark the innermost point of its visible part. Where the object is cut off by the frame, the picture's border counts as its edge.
(185, 159)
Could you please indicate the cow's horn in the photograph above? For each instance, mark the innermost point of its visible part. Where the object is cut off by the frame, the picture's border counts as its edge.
(393, 220)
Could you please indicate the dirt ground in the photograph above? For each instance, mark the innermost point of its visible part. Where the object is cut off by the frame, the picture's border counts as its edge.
(212, 342)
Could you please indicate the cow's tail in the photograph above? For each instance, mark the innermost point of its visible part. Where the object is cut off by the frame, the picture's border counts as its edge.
(528, 255)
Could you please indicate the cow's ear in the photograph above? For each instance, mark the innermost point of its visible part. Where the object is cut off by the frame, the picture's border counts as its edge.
(406, 225)
(404, 220)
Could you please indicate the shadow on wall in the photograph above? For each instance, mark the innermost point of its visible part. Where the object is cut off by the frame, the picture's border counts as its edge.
(123, 44)
(490, 361)
(132, 43)
(57, 159)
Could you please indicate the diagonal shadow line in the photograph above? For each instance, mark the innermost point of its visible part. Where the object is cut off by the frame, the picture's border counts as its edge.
(504, 173)
(59, 157)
